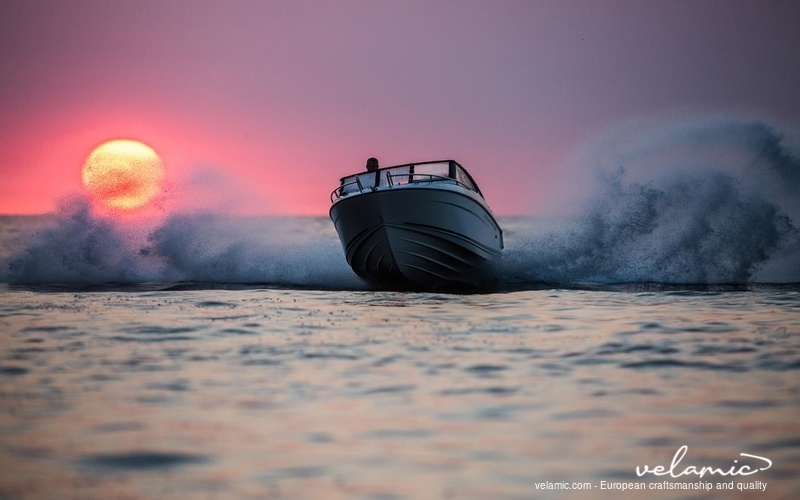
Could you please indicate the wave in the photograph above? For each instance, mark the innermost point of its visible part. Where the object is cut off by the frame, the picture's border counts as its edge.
(700, 203)
(693, 203)
(81, 247)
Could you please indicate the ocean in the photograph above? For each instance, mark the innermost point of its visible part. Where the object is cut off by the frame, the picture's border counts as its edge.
(202, 356)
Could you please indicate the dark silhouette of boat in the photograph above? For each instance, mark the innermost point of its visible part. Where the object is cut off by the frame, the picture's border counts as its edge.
(419, 226)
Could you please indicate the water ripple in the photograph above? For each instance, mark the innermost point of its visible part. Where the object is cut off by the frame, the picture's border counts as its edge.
(142, 460)
(675, 363)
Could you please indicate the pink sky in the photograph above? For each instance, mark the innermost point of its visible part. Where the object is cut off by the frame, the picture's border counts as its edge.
(283, 98)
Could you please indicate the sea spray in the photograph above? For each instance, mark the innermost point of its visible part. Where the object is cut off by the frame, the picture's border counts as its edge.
(80, 247)
(217, 248)
(713, 202)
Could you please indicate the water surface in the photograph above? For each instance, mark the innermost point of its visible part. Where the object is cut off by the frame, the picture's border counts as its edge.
(258, 392)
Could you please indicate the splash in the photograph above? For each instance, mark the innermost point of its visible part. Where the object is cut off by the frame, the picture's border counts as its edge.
(285, 251)
(698, 203)
(82, 247)
(191, 236)
(79, 247)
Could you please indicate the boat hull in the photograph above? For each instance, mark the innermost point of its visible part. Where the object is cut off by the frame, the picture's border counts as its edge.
(419, 237)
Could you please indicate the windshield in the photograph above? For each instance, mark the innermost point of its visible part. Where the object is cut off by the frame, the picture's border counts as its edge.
(432, 171)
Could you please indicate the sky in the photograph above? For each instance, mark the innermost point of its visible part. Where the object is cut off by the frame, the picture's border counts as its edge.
(264, 105)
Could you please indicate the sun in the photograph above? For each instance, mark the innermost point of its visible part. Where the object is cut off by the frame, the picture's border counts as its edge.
(123, 174)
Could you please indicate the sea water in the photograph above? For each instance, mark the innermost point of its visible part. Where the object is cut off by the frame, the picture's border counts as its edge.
(208, 357)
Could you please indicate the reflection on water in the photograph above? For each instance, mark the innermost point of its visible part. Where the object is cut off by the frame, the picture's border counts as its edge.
(342, 394)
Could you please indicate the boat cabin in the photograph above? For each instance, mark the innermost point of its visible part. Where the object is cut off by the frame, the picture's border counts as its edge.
(448, 171)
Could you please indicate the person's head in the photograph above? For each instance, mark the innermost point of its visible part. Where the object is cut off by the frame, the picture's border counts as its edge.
(372, 165)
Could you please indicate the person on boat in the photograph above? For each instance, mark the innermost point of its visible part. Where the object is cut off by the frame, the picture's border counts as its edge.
(372, 165)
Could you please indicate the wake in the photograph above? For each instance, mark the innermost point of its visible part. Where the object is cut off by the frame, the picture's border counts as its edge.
(702, 203)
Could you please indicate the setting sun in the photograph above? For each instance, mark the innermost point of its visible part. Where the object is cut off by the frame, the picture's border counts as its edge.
(123, 174)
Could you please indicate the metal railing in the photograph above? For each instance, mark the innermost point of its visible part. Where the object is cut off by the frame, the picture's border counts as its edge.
(352, 184)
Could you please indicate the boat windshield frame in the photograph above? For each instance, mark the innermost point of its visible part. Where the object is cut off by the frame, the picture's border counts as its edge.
(407, 173)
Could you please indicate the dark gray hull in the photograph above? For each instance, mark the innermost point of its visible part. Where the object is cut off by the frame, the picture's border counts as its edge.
(419, 237)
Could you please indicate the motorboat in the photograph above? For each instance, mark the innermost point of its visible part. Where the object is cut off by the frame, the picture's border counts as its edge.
(417, 226)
